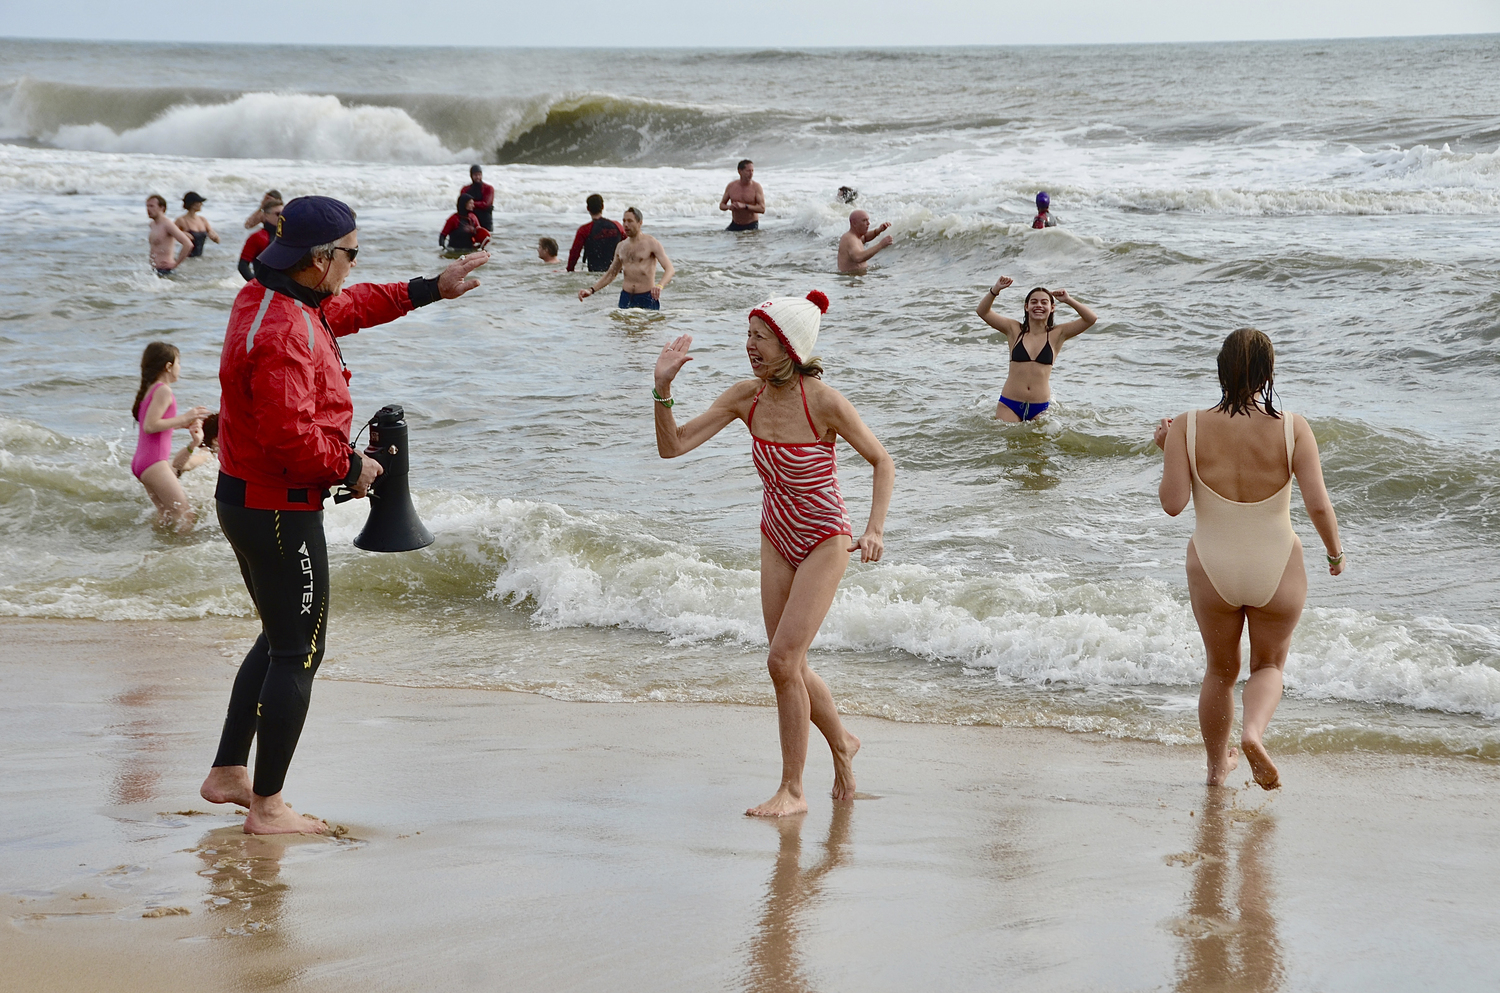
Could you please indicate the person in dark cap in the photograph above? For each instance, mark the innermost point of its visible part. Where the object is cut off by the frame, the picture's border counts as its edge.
(284, 419)
(194, 224)
(484, 197)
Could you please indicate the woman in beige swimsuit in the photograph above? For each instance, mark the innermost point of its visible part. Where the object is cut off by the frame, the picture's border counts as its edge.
(1236, 461)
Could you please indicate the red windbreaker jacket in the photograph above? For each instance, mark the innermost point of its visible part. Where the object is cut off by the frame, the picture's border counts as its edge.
(285, 409)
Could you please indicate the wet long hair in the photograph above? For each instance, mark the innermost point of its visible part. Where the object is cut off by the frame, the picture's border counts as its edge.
(154, 361)
(1026, 318)
(1247, 366)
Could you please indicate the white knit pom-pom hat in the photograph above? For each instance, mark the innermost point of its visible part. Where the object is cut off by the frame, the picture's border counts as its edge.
(795, 322)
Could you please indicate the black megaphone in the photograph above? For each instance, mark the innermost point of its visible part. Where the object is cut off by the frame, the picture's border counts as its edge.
(393, 525)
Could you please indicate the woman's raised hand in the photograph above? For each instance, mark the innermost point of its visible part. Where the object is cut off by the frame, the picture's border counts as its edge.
(1062, 295)
(674, 355)
(1001, 283)
(195, 431)
(1160, 434)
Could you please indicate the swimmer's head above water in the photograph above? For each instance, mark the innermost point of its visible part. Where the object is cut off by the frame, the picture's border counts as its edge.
(632, 221)
(1043, 201)
(1041, 305)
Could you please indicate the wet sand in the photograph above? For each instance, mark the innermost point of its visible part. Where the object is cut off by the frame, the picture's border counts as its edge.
(500, 841)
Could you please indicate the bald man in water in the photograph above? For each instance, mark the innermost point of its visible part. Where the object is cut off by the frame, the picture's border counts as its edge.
(852, 251)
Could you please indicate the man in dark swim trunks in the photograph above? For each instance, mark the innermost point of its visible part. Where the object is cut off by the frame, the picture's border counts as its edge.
(597, 239)
(745, 199)
(637, 256)
(163, 233)
(484, 198)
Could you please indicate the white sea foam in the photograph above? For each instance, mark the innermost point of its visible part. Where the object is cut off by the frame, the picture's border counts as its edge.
(271, 126)
(562, 569)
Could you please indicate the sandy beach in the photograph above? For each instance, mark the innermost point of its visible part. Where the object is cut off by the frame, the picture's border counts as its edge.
(493, 840)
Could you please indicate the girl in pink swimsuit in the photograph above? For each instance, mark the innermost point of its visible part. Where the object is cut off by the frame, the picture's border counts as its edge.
(155, 411)
(806, 538)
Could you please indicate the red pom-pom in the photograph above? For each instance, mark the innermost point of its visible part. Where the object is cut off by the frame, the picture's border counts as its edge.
(819, 298)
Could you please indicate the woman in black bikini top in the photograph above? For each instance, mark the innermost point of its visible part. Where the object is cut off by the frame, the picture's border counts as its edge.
(1028, 387)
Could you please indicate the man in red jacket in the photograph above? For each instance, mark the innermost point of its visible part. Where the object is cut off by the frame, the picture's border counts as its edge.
(284, 421)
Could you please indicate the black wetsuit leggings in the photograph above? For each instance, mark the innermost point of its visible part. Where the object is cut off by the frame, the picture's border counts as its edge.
(284, 559)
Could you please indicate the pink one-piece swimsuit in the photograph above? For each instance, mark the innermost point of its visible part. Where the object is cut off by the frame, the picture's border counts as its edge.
(803, 506)
(153, 446)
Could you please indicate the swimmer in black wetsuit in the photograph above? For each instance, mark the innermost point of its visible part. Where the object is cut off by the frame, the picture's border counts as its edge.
(463, 232)
(597, 239)
(270, 210)
(195, 224)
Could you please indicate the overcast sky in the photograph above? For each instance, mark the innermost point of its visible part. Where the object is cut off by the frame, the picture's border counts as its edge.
(778, 23)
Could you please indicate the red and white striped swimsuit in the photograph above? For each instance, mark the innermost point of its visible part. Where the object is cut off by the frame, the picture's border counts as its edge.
(802, 507)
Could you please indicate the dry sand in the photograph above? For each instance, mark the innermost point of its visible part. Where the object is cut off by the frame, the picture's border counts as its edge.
(500, 841)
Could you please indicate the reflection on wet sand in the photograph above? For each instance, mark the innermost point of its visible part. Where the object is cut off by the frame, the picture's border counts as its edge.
(775, 960)
(137, 776)
(1224, 950)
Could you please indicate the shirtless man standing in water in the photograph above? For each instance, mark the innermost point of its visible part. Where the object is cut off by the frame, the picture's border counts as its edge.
(637, 255)
(163, 233)
(852, 251)
(745, 199)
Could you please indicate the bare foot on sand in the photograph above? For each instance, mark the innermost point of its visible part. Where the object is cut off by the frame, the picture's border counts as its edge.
(843, 768)
(1261, 766)
(273, 815)
(228, 784)
(1217, 774)
(783, 804)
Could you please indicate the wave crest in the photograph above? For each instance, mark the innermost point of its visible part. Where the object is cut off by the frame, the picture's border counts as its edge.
(271, 126)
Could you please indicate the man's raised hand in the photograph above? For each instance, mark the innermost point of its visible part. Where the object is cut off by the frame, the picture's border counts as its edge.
(455, 281)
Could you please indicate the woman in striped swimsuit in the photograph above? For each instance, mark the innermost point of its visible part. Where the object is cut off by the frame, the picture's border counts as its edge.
(806, 537)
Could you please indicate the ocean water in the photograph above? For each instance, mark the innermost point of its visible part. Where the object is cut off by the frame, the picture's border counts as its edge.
(1342, 196)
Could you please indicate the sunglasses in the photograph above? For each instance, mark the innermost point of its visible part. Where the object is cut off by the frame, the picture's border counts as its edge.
(351, 252)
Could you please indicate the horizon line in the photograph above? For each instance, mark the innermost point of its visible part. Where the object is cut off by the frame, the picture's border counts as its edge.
(741, 48)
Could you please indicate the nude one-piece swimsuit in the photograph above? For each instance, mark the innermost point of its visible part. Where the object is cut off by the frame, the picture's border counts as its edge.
(1243, 547)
